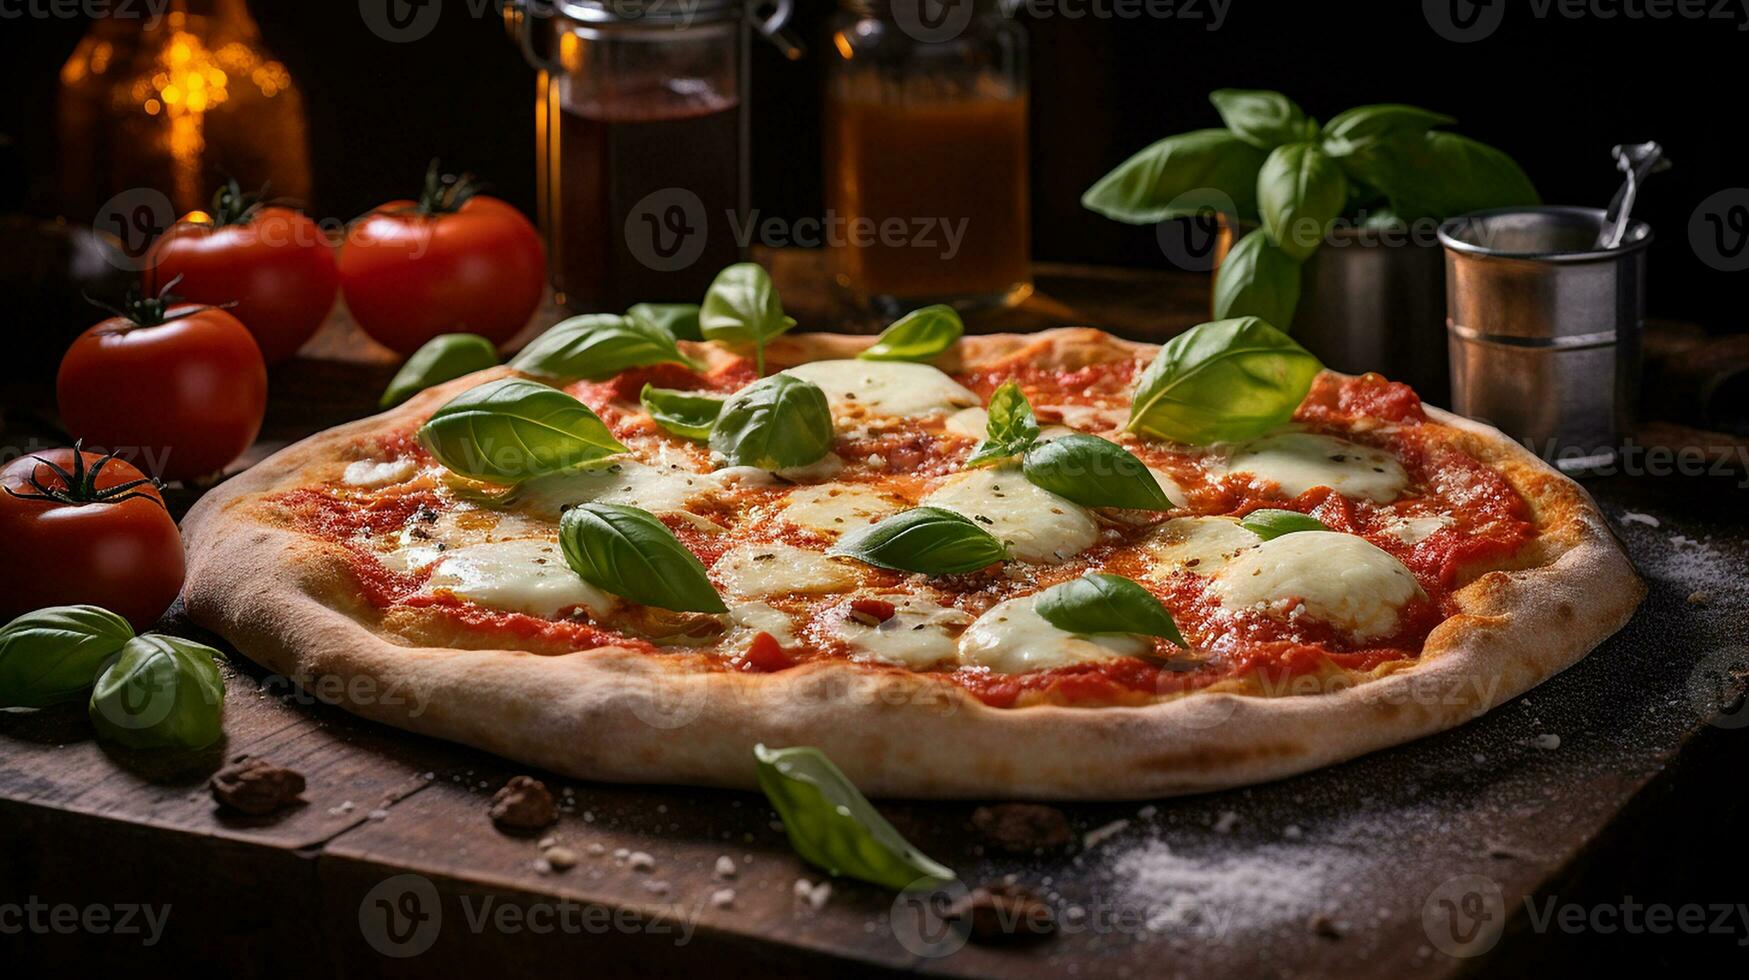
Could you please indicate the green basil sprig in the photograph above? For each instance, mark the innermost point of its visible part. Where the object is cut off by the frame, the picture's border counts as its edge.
(775, 423)
(1098, 603)
(161, 692)
(1271, 523)
(742, 307)
(1265, 120)
(687, 414)
(442, 358)
(1173, 178)
(833, 826)
(928, 540)
(1012, 428)
(1471, 176)
(1093, 472)
(54, 655)
(917, 336)
(510, 430)
(1258, 278)
(678, 320)
(626, 551)
(1300, 191)
(1364, 127)
(1222, 382)
(596, 346)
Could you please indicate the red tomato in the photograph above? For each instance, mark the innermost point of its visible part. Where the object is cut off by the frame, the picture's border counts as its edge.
(451, 262)
(182, 385)
(272, 262)
(80, 527)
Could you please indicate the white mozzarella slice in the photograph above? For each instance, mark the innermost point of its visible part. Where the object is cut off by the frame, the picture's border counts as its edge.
(423, 542)
(1298, 461)
(780, 569)
(886, 387)
(370, 474)
(837, 507)
(1169, 487)
(1036, 524)
(761, 617)
(664, 485)
(1012, 638)
(920, 634)
(1414, 530)
(526, 575)
(1199, 545)
(973, 423)
(1340, 579)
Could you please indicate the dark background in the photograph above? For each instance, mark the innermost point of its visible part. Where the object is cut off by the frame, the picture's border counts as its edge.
(1554, 92)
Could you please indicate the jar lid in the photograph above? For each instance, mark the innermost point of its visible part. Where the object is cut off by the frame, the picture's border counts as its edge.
(677, 12)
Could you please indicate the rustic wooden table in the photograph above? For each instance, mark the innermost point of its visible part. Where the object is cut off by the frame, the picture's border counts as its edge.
(1427, 860)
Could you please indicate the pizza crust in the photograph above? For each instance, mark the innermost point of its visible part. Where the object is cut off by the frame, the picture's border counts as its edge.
(290, 602)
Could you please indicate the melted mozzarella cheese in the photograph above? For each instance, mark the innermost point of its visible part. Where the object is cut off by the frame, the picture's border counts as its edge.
(886, 387)
(1169, 487)
(1035, 524)
(836, 507)
(526, 575)
(665, 485)
(370, 474)
(1340, 579)
(973, 423)
(1414, 530)
(1012, 638)
(423, 542)
(780, 569)
(1199, 545)
(919, 635)
(1298, 461)
(760, 617)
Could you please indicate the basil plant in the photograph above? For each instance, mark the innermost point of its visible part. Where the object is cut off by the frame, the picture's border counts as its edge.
(1272, 165)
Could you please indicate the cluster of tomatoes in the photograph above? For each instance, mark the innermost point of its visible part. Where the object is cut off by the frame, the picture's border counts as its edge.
(176, 379)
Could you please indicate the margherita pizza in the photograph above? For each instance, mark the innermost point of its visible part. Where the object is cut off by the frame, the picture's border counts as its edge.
(1038, 566)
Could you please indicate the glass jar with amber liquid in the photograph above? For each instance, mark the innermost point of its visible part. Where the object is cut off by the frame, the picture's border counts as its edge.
(926, 155)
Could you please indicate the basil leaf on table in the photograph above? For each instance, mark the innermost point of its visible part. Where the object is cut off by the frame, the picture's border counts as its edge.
(917, 336)
(1265, 120)
(927, 540)
(742, 307)
(626, 551)
(596, 346)
(1271, 523)
(775, 423)
(1222, 382)
(1181, 177)
(1093, 472)
(1011, 429)
(511, 430)
(678, 320)
(687, 414)
(1300, 191)
(1098, 603)
(1365, 126)
(442, 358)
(162, 692)
(833, 826)
(1257, 279)
(54, 655)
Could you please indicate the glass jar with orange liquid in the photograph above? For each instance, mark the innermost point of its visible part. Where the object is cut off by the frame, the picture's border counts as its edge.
(926, 155)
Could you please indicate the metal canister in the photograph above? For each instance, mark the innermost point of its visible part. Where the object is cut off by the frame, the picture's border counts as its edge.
(1544, 328)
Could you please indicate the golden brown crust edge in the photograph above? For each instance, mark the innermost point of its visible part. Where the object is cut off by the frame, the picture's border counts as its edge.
(623, 716)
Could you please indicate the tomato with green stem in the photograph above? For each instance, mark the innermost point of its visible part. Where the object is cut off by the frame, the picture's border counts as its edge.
(82, 528)
(272, 262)
(454, 261)
(181, 384)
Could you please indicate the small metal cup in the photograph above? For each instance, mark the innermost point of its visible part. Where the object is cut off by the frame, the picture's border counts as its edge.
(1544, 328)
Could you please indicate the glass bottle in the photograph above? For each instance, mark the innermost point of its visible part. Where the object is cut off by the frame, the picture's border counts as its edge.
(926, 155)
